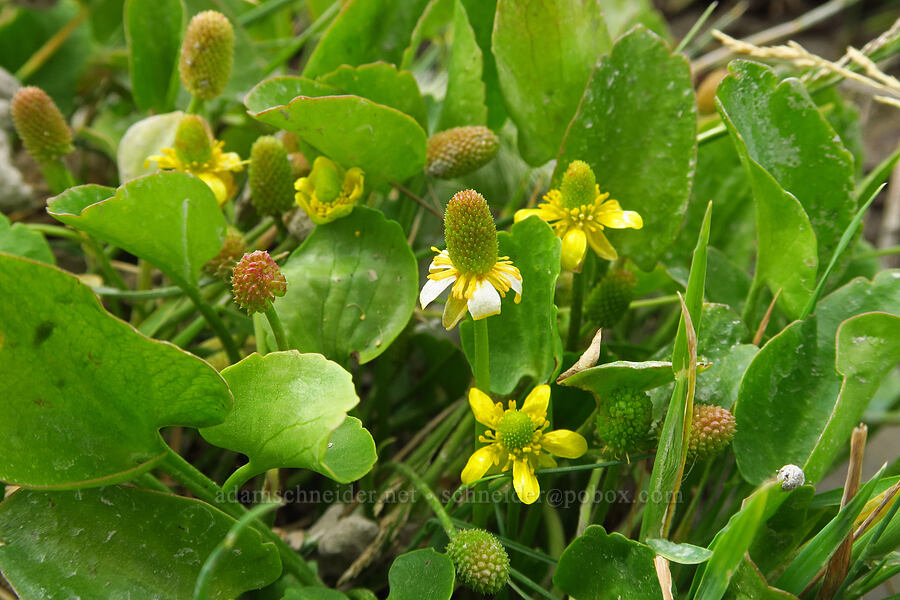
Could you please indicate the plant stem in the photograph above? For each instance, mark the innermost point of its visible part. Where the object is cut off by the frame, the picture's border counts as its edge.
(651, 302)
(205, 489)
(236, 480)
(58, 176)
(482, 368)
(696, 27)
(214, 321)
(587, 504)
(50, 47)
(427, 494)
(277, 329)
(195, 106)
(56, 231)
(575, 311)
(301, 39)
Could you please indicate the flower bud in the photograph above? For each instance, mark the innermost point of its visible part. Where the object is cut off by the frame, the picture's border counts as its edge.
(193, 142)
(233, 249)
(40, 125)
(609, 300)
(256, 281)
(329, 192)
(459, 151)
(481, 561)
(712, 429)
(470, 233)
(579, 185)
(207, 54)
(623, 421)
(271, 177)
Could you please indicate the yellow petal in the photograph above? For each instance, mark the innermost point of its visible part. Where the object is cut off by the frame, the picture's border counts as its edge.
(486, 411)
(478, 464)
(574, 245)
(215, 183)
(523, 214)
(454, 311)
(353, 184)
(565, 443)
(612, 215)
(526, 484)
(535, 405)
(601, 246)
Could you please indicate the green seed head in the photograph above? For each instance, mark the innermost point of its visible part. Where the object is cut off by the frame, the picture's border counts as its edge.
(515, 430)
(609, 300)
(623, 421)
(712, 429)
(232, 251)
(481, 561)
(256, 281)
(470, 233)
(207, 54)
(459, 151)
(271, 177)
(40, 125)
(193, 141)
(579, 185)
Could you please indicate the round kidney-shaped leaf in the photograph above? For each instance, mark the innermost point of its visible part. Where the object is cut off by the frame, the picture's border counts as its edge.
(84, 394)
(421, 575)
(352, 288)
(286, 406)
(119, 542)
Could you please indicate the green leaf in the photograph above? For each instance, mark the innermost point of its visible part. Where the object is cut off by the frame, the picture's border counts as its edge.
(622, 15)
(683, 554)
(793, 376)
(18, 240)
(606, 378)
(668, 468)
(313, 594)
(545, 51)
(749, 584)
(352, 287)
(84, 393)
(603, 566)
(816, 553)
(120, 542)
(143, 139)
(787, 529)
(353, 131)
(286, 407)
(464, 103)
(366, 31)
(170, 219)
(732, 542)
(787, 137)
(523, 338)
(153, 51)
(381, 83)
(481, 18)
(637, 128)
(421, 575)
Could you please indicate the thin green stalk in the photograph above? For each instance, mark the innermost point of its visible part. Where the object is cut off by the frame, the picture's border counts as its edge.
(482, 368)
(52, 45)
(56, 231)
(214, 321)
(236, 480)
(260, 228)
(878, 253)
(587, 504)
(427, 494)
(651, 302)
(259, 334)
(750, 303)
(696, 27)
(164, 292)
(151, 483)
(711, 134)
(277, 329)
(523, 579)
(205, 489)
(201, 587)
(575, 311)
(261, 11)
(195, 106)
(301, 39)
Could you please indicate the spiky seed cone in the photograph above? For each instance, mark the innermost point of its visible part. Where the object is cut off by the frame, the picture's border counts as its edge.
(470, 233)
(623, 421)
(609, 300)
(461, 150)
(207, 54)
(579, 185)
(256, 281)
(193, 141)
(712, 429)
(232, 250)
(40, 125)
(482, 563)
(271, 177)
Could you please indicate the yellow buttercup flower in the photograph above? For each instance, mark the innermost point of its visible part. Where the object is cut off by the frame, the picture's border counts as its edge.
(197, 153)
(517, 438)
(470, 263)
(329, 192)
(578, 213)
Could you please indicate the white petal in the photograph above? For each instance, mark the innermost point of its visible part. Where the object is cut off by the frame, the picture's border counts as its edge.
(433, 288)
(515, 282)
(485, 301)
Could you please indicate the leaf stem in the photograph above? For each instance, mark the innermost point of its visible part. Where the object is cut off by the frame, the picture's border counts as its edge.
(482, 368)
(427, 494)
(277, 329)
(213, 319)
(195, 106)
(236, 480)
(575, 311)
